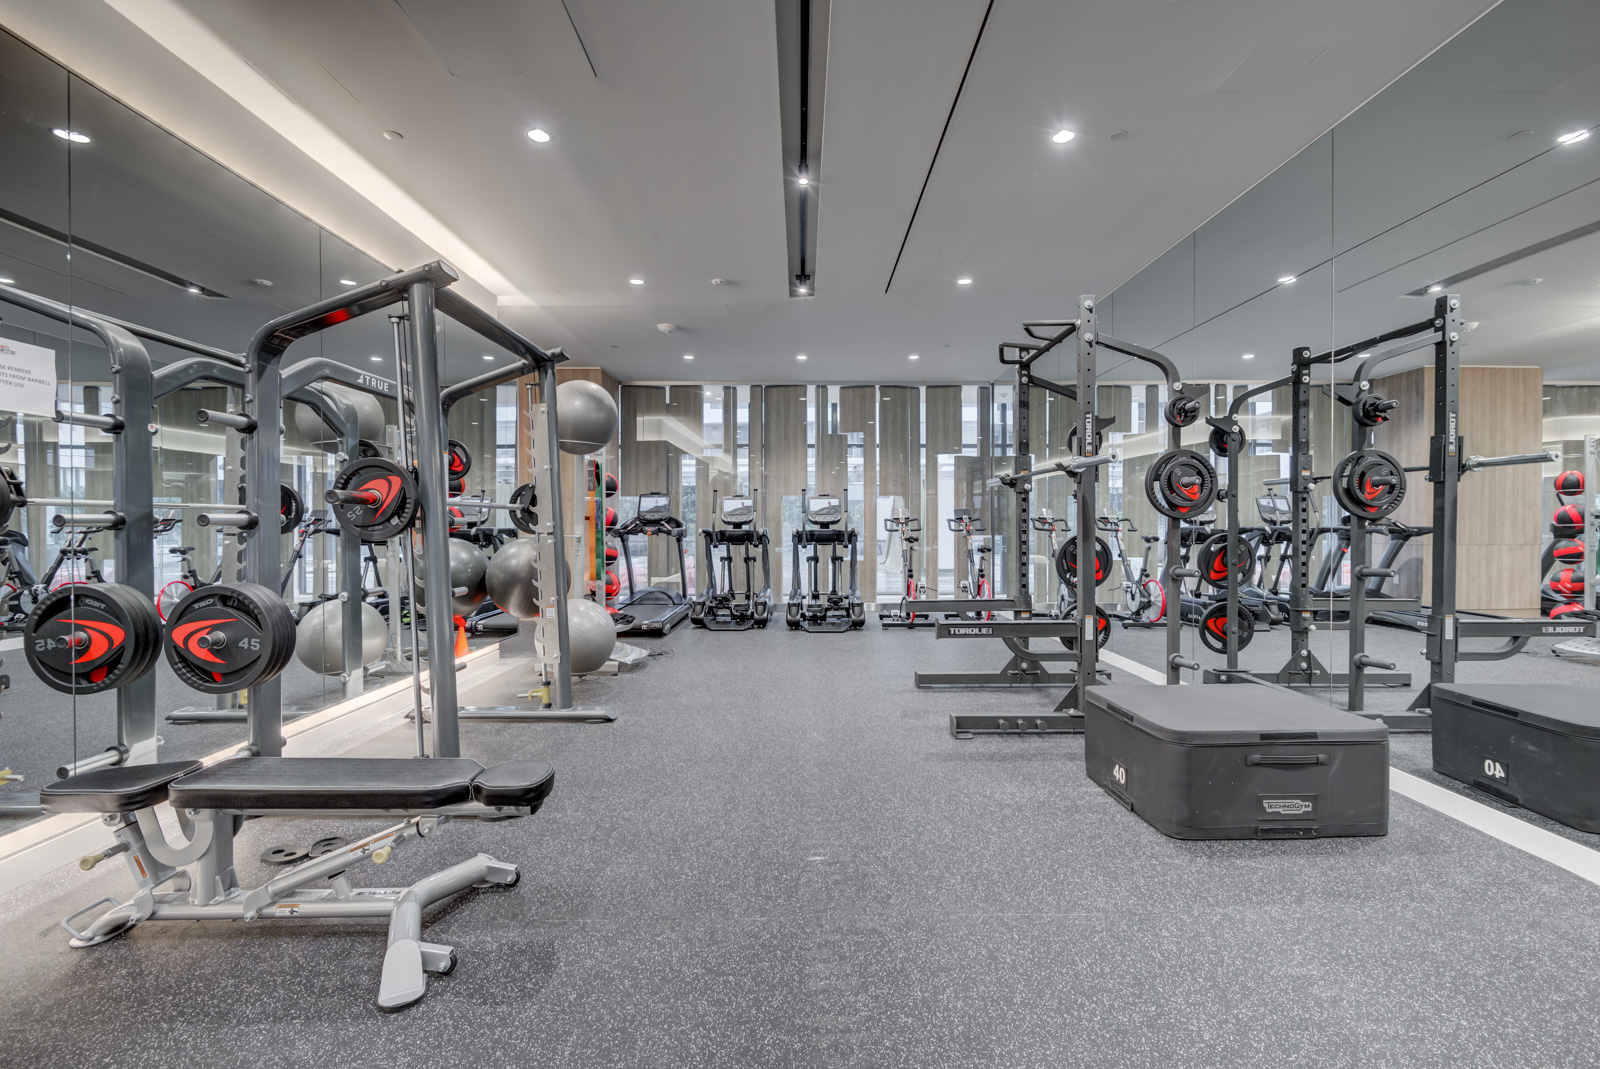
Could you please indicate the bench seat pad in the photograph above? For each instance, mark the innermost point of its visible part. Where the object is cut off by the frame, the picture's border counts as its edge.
(328, 783)
(517, 783)
(119, 789)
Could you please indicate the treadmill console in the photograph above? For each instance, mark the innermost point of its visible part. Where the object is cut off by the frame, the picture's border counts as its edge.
(1274, 510)
(824, 511)
(654, 508)
(738, 511)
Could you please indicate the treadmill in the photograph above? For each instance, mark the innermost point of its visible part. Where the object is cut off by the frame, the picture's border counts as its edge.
(653, 610)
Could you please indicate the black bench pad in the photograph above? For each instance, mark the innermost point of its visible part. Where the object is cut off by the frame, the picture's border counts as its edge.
(328, 783)
(120, 789)
(518, 783)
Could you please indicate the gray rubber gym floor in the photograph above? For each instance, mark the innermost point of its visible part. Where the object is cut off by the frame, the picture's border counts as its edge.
(778, 856)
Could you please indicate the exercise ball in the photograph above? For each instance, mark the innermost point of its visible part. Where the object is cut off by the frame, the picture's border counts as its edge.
(468, 566)
(586, 415)
(319, 639)
(509, 579)
(591, 636)
(323, 435)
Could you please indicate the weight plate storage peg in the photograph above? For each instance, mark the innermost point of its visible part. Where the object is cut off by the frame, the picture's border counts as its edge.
(523, 503)
(1214, 566)
(88, 637)
(1180, 483)
(1067, 561)
(374, 499)
(1214, 627)
(457, 459)
(291, 509)
(1369, 483)
(225, 637)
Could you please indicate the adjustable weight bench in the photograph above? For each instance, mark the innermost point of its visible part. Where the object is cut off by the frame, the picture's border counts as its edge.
(213, 802)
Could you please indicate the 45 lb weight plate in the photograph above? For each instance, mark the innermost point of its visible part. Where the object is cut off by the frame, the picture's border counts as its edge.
(88, 637)
(226, 637)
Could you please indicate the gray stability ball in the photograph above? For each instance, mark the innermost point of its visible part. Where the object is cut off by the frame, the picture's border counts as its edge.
(323, 435)
(319, 640)
(468, 566)
(510, 581)
(586, 416)
(591, 636)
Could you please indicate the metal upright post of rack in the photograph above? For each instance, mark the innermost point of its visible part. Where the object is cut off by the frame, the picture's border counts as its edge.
(1088, 482)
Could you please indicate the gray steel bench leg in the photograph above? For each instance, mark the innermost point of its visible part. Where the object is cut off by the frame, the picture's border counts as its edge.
(409, 959)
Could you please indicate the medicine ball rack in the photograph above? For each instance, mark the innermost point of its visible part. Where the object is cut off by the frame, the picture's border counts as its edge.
(1080, 634)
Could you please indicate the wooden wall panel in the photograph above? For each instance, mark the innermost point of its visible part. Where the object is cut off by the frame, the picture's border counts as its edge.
(858, 415)
(785, 418)
(942, 415)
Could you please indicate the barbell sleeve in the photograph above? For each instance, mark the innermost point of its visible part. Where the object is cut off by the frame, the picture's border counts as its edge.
(237, 421)
(109, 520)
(243, 519)
(109, 424)
(1475, 463)
(369, 498)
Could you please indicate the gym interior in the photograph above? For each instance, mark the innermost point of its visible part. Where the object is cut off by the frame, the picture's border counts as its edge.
(760, 385)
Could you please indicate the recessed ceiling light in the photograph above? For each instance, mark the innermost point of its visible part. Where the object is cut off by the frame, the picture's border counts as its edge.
(1116, 135)
(77, 138)
(1565, 139)
(913, 356)
(538, 135)
(347, 282)
(1362, 356)
(688, 356)
(1285, 280)
(1435, 288)
(377, 360)
(635, 281)
(1061, 137)
(8, 282)
(800, 289)
(194, 289)
(488, 356)
(1249, 356)
(393, 135)
(261, 281)
(803, 180)
(800, 356)
(963, 281)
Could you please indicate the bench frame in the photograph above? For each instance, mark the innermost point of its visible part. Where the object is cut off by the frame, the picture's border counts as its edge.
(203, 885)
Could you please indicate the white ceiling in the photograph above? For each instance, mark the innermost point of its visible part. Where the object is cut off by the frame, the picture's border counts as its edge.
(666, 165)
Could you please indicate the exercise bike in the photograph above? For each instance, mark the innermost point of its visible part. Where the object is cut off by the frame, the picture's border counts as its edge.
(1051, 526)
(722, 606)
(1143, 598)
(836, 609)
(908, 528)
(976, 586)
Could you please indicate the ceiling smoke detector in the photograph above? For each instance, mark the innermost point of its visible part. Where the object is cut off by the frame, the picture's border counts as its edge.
(666, 328)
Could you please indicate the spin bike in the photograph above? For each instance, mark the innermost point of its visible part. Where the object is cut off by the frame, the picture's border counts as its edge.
(976, 585)
(1144, 600)
(722, 606)
(908, 528)
(837, 609)
(1051, 526)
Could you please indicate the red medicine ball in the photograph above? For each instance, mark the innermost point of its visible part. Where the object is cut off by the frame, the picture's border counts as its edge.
(1565, 608)
(613, 584)
(612, 554)
(1567, 582)
(1567, 551)
(609, 484)
(611, 517)
(1569, 483)
(1567, 522)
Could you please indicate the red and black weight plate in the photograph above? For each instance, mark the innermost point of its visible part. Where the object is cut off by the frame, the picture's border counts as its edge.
(392, 499)
(1180, 483)
(1369, 483)
(457, 459)
(1102, 633)
(524, 503)
(1214, 627)
(1067, 561)
(291, 508)
(1214, 563)
(88, 637)
(226, 637)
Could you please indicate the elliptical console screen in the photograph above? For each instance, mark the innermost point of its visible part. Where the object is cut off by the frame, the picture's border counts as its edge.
(824, 510)
(737, 511)
(653, 508)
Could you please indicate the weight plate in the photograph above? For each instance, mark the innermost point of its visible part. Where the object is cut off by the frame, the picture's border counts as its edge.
(1067, 561)
(291, 509)
(523, 503)
(1214, 566)
(366, 449)
(396, 499)
(11, 494)
(1180, 411)
(1214, 627)
(1180, 483)
(1218, 441)
(457, 459)
(1369, 483)
(1074, 433)
(226, 637)
(88, 637)
(282, 855)
(1102, 633)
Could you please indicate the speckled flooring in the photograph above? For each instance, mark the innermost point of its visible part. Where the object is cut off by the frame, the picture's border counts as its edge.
(778, 856)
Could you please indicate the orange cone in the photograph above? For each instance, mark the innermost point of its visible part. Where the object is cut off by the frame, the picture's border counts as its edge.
(461, 637)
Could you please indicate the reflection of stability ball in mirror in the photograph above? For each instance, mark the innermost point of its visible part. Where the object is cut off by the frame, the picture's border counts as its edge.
(509, 579)
(591, 636)
(319, 640)
(467, 568)
(587, 416)
(317, 431)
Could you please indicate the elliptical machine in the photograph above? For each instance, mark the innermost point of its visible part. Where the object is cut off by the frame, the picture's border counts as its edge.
(905, 615)
(653, 610)
(836, 610)
(723, 606)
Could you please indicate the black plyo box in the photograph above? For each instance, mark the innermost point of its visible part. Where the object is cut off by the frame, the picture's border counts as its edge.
(1534, 745)
(1237, 761)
